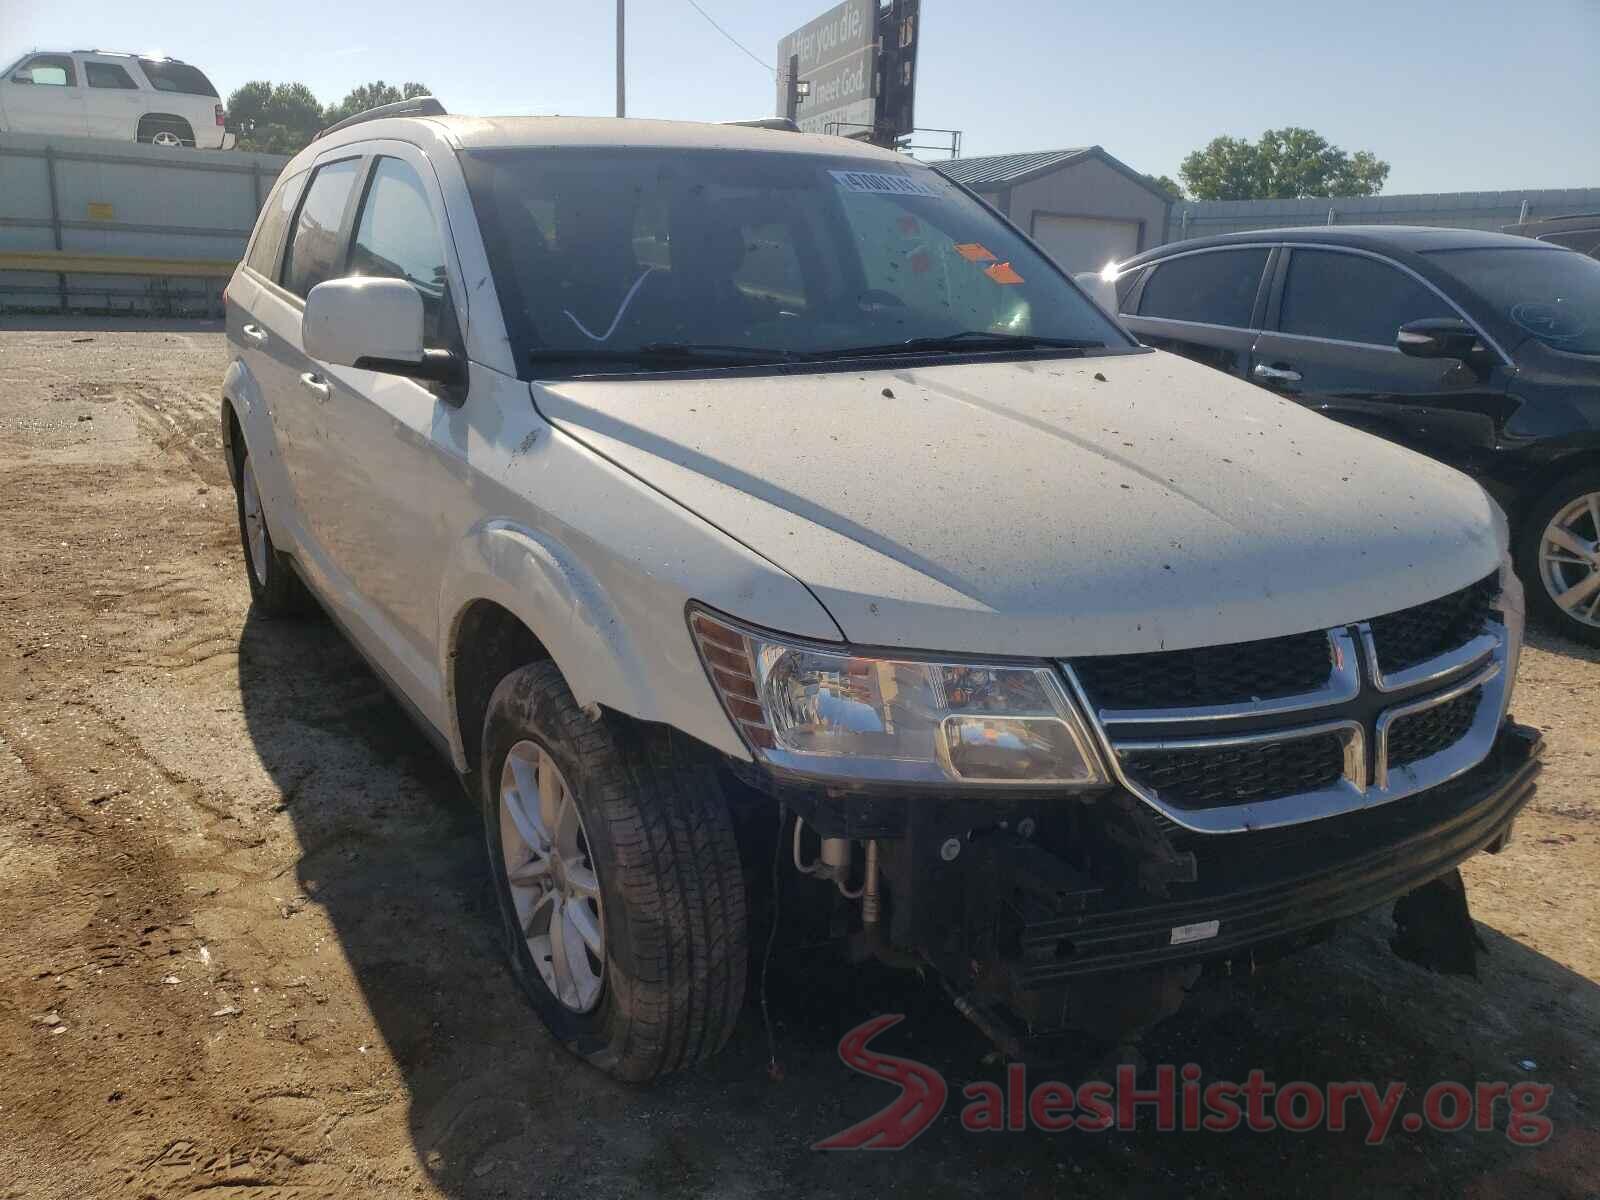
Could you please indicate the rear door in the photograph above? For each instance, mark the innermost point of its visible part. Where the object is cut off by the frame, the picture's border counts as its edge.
(297, 388)
(43, 94)
(112, 103)
(1330, 344)
(1202, 304)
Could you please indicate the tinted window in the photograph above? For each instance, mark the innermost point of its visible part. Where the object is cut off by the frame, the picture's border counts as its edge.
(268, 243)
(398, 239)
(53, 70)
(313, 255)
(1126, 282)
(176, 77)
(1352, 298)
(1218, 287)
(1549, 294)
(614, 250)
(1584, 241)
(108, 75)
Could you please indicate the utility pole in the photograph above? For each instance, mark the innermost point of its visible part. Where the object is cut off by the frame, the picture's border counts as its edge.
(622, 94)
(791, 104)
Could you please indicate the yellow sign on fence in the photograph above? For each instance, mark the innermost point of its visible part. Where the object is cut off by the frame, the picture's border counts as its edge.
(101, 211)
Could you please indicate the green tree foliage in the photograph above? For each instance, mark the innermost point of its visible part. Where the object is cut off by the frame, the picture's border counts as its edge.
(370, 95)
(283, 118)
(1165, 184)
(1284, 164)
(277, 119)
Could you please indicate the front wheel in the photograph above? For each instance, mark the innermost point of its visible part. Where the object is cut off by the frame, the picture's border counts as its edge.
(618, 879)
(1559, 557)
(274, 587)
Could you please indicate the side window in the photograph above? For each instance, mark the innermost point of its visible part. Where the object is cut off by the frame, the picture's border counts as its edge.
(397, 238)
(108, 75)
(1126, 282)
(1352, 298)
(1217, 287)
(268, 244)
(53, 70)
(314, 249)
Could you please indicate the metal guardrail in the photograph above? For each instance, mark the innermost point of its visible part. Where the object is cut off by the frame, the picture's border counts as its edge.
(160, 272)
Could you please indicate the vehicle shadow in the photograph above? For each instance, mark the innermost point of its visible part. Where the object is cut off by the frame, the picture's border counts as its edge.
(1555, 643)
(391, 852)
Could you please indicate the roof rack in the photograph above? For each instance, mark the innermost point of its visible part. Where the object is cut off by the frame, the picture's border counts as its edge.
(783, 124)
(417, 106)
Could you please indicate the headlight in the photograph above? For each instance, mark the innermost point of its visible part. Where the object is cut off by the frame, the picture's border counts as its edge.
(823, 711)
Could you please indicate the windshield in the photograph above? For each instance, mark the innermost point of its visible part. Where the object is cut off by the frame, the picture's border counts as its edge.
(1553, 295)
(611, 252)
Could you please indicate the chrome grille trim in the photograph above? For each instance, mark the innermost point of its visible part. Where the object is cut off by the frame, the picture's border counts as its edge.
(1369, 781)
(1344, 683)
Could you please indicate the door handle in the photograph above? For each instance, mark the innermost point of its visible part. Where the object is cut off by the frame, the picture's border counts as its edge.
(254, 332)
(1276, 374)
(316, 385)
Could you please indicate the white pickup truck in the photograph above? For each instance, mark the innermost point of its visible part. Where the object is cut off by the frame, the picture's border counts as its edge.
(120, 97)
(706, 489)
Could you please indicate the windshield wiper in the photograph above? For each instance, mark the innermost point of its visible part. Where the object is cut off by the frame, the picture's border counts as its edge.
(656, 353)
(968, 339)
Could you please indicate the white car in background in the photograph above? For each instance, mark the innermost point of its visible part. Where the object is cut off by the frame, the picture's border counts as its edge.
(121, 97)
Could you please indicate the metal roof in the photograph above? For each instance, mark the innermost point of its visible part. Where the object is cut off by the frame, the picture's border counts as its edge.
(1000, 170)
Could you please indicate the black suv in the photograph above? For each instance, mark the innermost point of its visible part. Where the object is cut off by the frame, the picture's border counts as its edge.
(1479, 349)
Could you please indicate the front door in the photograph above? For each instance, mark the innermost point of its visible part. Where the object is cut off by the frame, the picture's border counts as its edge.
(1202, 304)
(1332, 347)
(112, 102)
(391, 491)
(45, 95)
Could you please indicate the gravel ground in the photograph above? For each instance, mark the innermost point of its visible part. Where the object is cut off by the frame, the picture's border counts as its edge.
(247, 946)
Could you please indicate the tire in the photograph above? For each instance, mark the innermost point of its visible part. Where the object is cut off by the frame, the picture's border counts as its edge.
(642, 848)
(166, 131)
(1547, 567)
(275, 589)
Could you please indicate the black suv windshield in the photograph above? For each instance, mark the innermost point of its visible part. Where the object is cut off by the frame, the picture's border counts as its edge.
(752, 257)
(1551, 294)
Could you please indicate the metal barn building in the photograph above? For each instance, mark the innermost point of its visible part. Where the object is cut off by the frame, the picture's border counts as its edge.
(1082, 205)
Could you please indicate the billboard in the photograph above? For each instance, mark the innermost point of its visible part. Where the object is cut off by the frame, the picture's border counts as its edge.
(837, 55)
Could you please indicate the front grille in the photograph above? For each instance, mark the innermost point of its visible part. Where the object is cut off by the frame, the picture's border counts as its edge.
(1220, 776)
(1414, 635)
(1433, 729)
(1236, 674)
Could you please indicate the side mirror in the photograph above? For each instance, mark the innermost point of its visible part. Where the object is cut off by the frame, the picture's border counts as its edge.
(23, 76)
(1438, 337)
(1101, 290)
(374, 325)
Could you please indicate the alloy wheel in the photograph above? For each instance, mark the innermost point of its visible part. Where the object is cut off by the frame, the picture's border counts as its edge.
(1569, 559)
(166, 138)
(550, 870)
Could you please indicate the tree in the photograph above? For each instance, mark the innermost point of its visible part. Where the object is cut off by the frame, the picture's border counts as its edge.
(370, 95)
(1283, 165)
(277, 119)
(1165, 184)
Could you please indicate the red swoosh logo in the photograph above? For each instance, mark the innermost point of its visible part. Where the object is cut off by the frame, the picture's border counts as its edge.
(921, 1099)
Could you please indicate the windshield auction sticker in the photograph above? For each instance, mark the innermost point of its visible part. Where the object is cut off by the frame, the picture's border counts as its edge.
(882, 184)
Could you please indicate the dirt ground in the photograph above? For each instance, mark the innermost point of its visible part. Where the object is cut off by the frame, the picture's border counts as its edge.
(247, 947)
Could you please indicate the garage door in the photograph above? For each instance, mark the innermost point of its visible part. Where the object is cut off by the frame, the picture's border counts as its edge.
(1086, 243)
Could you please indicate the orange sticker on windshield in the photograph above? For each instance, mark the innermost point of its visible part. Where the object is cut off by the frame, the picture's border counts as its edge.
(1002, 273)
(973, 252)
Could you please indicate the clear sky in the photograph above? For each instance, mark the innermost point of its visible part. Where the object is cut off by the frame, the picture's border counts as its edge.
(1455, 94)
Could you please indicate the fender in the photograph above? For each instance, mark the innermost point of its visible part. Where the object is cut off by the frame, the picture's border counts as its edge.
(242, 395)
(571, 613)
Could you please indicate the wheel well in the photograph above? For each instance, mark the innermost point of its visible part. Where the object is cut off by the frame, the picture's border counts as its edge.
(490, 642)
(234, 434)
(165, 119)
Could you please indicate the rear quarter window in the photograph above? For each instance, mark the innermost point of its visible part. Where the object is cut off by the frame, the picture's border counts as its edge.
(176, 77)
(267, 247)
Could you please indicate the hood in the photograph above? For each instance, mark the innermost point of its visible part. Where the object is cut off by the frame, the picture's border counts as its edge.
(1047, 507)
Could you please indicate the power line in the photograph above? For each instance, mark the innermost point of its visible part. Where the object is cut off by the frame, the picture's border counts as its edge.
(728, 35)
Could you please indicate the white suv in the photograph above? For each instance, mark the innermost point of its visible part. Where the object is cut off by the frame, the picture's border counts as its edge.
(717, 497)
(122, 97)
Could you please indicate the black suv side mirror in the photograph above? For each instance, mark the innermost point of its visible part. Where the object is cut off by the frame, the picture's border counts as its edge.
(1439, 337)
